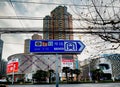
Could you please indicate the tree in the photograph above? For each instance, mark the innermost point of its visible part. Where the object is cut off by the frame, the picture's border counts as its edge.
(97, 74)
(40, 75)
(66, 70)
(50, 73)
(0, 76)
(77, 72)
(71, 73)
(106, 27)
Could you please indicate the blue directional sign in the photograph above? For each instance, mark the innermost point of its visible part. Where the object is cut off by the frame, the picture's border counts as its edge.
(56, 46)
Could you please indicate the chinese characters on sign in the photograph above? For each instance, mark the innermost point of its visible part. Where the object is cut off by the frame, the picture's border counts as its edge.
(12, 66)
(56, 46)
(67, 63)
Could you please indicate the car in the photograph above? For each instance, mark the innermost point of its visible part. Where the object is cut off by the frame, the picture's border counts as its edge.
(3, 80)
(117, 78)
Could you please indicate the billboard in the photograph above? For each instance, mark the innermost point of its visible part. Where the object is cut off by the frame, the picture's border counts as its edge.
(12, 66)
(67, 63)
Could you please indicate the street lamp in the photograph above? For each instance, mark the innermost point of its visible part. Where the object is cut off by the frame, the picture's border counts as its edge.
(89, 69)
(13, 74)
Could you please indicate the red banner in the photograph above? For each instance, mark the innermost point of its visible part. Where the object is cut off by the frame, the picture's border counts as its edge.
(67, 60)
(12, 67)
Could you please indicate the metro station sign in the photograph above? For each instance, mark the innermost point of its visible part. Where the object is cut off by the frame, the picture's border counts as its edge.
(56, 46)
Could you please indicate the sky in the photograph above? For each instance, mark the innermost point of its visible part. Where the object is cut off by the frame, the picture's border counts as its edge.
(14, 43)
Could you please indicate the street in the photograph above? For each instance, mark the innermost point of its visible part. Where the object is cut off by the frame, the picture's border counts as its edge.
(73, 85)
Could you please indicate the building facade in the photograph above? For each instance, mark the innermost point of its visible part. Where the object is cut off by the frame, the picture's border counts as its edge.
(28, 64)
(36, 37)
(47, 30)
(27, 42)
(1, 48)
(108, 64)
(3, 64)
(27, 46)
(58, 24)
(111, 65)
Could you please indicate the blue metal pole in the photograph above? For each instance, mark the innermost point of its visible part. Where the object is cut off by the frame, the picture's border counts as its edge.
(57, 76)
(77, 63)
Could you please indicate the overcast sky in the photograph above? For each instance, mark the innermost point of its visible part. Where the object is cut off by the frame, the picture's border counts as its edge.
(14, 43)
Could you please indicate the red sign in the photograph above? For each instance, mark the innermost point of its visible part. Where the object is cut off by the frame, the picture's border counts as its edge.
(67, 60)
(12, 67)
(67, 63)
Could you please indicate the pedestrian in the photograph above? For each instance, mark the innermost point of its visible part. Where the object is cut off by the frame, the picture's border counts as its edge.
(113, 78)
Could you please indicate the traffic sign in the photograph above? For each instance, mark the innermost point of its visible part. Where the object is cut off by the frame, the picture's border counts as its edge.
(56, 46)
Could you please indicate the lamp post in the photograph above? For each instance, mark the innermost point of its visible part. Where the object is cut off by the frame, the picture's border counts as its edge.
(77, 62)
(13, 74)
(89, 69)
(57, 76)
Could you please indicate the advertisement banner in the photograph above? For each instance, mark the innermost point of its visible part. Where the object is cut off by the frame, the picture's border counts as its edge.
(12, 66)
(67, 63)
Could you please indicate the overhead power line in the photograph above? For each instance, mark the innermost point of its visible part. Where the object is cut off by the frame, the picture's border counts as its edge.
(21, 17)
(40, 28)
(94, 21)
(10, 1)
(67, 31)
(42, 18)
(31, 2)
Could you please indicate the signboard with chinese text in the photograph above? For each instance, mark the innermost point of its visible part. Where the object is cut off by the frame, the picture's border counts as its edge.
(56, 46)
(12, 66)
(67, 63)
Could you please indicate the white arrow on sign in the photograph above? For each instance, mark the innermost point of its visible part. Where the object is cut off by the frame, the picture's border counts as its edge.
(82, 46)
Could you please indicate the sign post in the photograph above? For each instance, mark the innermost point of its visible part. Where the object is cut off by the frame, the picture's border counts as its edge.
(57, 76)
(56, 46)
(13, 75)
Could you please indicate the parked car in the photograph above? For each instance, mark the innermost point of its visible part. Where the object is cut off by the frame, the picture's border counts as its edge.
(3, 80)
(117, 78)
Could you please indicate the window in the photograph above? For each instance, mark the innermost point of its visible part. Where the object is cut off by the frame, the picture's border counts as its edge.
(104, 66)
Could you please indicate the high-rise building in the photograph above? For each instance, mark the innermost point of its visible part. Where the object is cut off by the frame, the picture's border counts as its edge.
(59, 26)
(36, 37)
(3, 64)
(1, 48)
(56, 25)
(47, 30)
(27, 42)
(27, 46)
